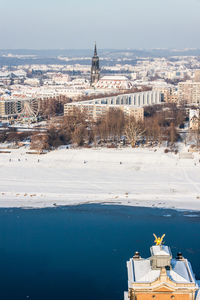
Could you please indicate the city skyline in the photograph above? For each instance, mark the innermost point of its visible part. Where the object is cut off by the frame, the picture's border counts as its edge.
(76, 25)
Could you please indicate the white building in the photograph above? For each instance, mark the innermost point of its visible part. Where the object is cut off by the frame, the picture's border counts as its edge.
(114, 82)
(189, 92)
(129, 103)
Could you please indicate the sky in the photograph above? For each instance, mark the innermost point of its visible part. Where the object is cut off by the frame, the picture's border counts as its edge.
(113, 24)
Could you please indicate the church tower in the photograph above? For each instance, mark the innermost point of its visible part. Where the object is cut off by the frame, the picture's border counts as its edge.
(95, 70)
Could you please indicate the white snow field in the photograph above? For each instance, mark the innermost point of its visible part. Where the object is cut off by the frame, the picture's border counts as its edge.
(76, 176)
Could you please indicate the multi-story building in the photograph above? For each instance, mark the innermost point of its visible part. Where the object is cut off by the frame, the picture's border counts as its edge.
(9, 108)
(189, 92)
(129, 103)
(96, 111)
(161, 277)
(169, 94)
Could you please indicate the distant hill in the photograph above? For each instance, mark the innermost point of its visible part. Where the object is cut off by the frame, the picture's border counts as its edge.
(14, 57)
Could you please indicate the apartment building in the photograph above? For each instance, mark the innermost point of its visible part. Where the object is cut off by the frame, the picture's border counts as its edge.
(8, 108)
(189, 92)
(96, 111)
(131, 104)
(197, 76)
(168, 94)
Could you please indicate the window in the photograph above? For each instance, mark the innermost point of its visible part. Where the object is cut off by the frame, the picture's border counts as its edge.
(104, 101)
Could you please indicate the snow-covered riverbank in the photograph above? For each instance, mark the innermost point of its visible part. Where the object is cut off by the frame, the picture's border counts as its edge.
(140, 177)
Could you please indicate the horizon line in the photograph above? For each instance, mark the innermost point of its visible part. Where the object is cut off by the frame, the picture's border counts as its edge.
(124, 49)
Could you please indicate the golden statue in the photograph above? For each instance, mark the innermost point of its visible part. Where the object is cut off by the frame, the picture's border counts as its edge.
(159, 240)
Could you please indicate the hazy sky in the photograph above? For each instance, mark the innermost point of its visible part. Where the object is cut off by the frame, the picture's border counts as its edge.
(71, 24)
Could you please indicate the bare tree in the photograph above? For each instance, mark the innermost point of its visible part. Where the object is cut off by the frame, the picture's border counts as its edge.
(173, 134)
(78, 135)
(111, 125)
(134, 130)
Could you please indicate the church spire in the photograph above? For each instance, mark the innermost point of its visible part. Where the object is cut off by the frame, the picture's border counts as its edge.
(95, 49)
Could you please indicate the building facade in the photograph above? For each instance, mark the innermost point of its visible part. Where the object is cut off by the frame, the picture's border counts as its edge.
(96, 111)
(189, 92)
(197, 76)
(169, 94)
(9, 108)
(129, 103)
(161, 277)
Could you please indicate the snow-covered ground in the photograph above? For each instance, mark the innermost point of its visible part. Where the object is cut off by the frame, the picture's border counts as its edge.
(138, 177)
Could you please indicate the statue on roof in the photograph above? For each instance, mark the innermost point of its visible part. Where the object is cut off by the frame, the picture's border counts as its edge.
(159, 240)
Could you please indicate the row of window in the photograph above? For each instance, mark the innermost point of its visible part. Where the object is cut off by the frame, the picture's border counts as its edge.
(129, 100)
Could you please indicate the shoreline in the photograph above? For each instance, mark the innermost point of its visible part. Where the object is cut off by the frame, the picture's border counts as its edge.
(44, 203)
(130, 177)
(189, 212)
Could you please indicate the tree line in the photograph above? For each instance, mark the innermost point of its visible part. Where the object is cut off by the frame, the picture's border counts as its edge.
(161, 123)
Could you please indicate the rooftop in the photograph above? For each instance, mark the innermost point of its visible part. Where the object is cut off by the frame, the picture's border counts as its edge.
(160, 250)
(140, 269)
(114, 77)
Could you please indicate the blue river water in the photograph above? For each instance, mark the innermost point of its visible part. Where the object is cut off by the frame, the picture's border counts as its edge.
(80, 252)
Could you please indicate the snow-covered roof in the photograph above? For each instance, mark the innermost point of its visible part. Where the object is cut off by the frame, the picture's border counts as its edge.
(114, 77)
(140, 270)
(180, 272)
(160, 250)
(143, 271)
(114, 82)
